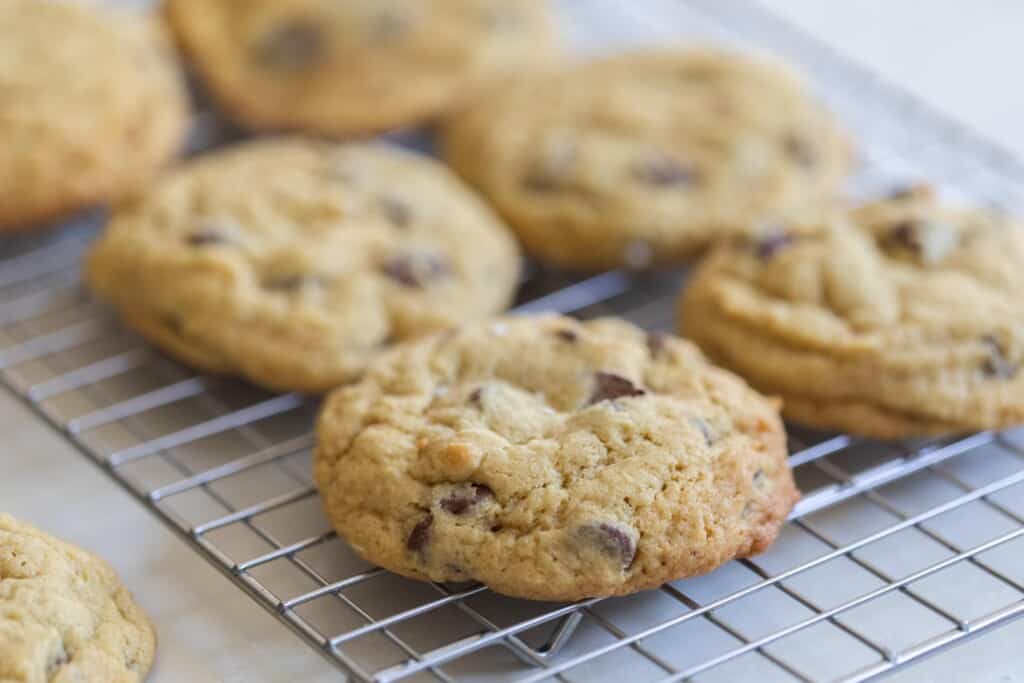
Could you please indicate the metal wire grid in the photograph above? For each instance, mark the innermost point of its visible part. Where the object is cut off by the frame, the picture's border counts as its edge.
(896, 550)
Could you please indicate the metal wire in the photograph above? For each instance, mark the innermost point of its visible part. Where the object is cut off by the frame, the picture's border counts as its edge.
(226, 466)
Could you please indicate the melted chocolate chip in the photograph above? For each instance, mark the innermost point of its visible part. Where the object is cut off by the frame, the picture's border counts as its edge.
(801, 151)
(416, 269)
(771, 244)
(420, 534)
(664, 172)
(294, 45)
(656, 343)
(476, 397)
(396, 211)
(611, 386)
(997, 365)
(568, 336)
(609, 540)
(458, 502)
(206, 238)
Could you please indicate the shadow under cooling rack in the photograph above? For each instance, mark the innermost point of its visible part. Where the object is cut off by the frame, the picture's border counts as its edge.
(896, 550)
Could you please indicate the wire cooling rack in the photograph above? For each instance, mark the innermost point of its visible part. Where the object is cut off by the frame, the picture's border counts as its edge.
(897, 550)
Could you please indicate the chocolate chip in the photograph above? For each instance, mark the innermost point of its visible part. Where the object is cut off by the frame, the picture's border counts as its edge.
(396, 211)
(905, 192)
(459, 502)
(801, 151)
(705, 429)
(911, 191)
(476, 397)
(294, 45)
(902, 234)
(664, 172)
(55, 663)
(997, 365)
(550, 171)
(611, 386)
(610, 540)
(207, 237)
(568, 336)
(656, 343)
(772, 243)
(931, 241)
(416, 269)
(420, 534)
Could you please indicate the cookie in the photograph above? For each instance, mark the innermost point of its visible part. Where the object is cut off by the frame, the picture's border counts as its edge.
(64, 615)
(91, 107)
(293, 262)
(552, 459)
(358, 66)
(899, 318)
(641, 159)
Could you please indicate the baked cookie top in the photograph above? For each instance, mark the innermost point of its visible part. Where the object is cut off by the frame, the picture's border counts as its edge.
(902, 317)
(64, 615)
(552, 459)
(358, 66)
(641, 159)
(292, 262)
(91, 105)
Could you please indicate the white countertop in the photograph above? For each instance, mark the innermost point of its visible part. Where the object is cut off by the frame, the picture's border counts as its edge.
(955, 55)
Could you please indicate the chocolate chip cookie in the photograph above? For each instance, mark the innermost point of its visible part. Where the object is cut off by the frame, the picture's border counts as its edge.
(358, 66)
(64, 615)
(293, 262)
(899, 318)
(552, 459)
(642, 159)
(91, 106)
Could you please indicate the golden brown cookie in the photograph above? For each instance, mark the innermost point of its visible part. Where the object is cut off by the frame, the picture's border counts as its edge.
(552, 459)
(64, 615)
(358, 66)
(293, 262)
(91, 107)
(900, 318)
(643, 159)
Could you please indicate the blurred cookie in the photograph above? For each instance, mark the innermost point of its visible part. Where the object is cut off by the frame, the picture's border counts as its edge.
(64, 615)
(91, 106)
(900, 318)
(358, 66)
(293, 262)
(552, 459)
(643, 159)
